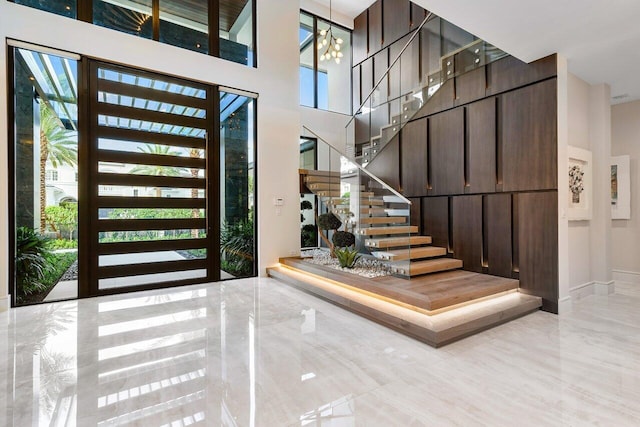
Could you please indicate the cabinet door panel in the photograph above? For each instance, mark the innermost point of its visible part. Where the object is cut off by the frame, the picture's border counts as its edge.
(360, 37)
(435, 220)
(467, 231)
(397, 18)
(414, 158)
(498, 234)
(481, 146)
(446, 152)
(528, 137)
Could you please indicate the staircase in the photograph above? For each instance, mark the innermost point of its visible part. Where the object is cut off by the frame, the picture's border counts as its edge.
(383, 224)
(453, 64)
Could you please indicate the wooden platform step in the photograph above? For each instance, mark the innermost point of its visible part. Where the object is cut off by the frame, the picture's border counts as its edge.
(365, 196)
(397, 242)
(417, 268)
(435, 328)
(381, 231)
(413, 253)
(384, 220)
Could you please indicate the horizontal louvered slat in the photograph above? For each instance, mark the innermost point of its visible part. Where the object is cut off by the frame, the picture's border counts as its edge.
(150, 268)
(115, 156)
(123, 112)
(135, 136)
(150, 94)
(150, 224)
(151, 202)
(150, 181)
(150, 246)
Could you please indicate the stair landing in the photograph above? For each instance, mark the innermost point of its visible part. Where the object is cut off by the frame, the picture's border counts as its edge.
(392, 302)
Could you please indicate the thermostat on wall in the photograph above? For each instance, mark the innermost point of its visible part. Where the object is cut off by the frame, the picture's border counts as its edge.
(278, 201)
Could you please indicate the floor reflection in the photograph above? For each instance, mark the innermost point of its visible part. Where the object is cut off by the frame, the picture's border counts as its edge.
(254, 353)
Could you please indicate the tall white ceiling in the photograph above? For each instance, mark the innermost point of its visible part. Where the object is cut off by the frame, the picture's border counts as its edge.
(600, 39)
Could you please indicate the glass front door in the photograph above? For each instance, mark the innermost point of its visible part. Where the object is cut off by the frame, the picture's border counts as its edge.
(135, 181)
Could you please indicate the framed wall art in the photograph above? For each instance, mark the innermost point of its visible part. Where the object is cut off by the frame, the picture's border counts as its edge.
(580, 203)
(620, 187)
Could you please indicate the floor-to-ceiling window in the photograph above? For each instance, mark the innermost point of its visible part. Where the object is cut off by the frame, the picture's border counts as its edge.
(325, 73)
(237, 185)
(128, 184)
(45, 167)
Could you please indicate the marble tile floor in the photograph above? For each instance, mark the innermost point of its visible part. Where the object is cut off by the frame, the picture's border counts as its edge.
(255, 352)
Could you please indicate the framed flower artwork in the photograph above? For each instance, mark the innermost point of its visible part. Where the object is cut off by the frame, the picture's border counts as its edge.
(580, 203)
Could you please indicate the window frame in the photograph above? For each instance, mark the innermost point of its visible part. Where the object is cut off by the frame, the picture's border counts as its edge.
(84, 13)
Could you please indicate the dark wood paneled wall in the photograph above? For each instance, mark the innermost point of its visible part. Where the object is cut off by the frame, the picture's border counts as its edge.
(479, 160)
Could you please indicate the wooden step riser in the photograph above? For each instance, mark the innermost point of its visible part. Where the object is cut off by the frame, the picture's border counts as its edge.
(311, 172)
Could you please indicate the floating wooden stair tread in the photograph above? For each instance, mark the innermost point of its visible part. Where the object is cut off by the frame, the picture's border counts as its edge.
(329, 193)
(381, 231)
(383, 220)
(373, 211)
(323, 186)
(413, 253)
(371, 202)
(395, 242)
(320, 178)
(427, 266)
(312, 172)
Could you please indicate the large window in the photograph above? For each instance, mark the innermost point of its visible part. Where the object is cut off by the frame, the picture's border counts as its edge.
(222, 28)
(325, 76)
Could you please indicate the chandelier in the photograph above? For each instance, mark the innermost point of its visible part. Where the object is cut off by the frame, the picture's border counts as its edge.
(329, 43)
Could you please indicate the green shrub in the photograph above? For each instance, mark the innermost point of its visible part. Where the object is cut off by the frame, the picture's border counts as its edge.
(32, 262)
(56, 244)
(60, 263)
(236, 247)
(309, 235)
(329, 221)
(62, 219)
(343, 239)
(347, 257)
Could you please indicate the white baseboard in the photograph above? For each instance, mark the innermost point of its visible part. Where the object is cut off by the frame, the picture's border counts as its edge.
(4, 303)
(578, 292)
(626, 276)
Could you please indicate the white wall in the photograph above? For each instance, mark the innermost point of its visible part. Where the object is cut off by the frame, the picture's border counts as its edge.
(275, 80)
(625, 234)
(584, 121)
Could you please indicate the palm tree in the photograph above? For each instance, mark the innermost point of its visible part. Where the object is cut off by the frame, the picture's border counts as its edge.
(158, 170)
(57, 145)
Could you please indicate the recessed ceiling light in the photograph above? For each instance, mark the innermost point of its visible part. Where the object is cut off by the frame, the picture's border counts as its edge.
(623, 96)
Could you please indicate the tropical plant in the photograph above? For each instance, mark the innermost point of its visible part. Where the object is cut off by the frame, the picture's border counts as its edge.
(62, 218)
(309, 235)
(158, 170)
(59, 146)
(326, 222)
(31, 263)
(236, 247)
(347, 256)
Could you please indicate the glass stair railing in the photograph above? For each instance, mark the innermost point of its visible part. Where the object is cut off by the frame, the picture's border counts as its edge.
(377, 216)
(395, 99)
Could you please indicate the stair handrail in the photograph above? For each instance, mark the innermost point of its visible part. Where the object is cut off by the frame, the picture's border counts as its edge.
(363, 170)
(427, 18)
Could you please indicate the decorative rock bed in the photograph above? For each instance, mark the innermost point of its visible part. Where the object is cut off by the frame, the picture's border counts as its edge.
(365, 266)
